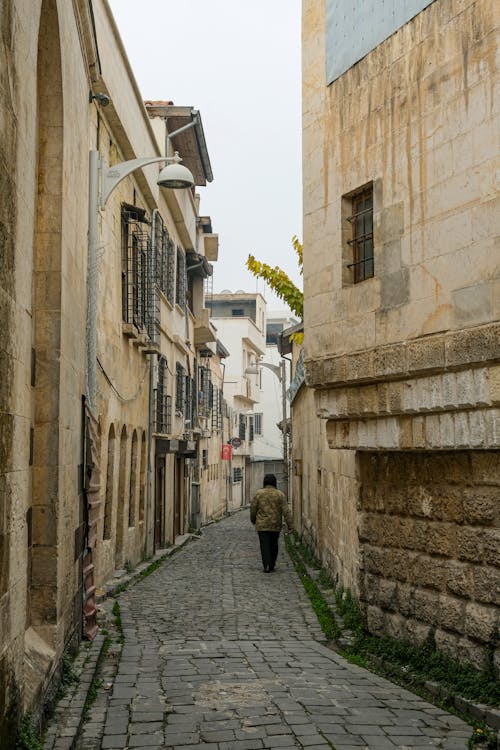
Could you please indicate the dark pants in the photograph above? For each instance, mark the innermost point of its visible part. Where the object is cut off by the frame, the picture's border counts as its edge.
(269, 548)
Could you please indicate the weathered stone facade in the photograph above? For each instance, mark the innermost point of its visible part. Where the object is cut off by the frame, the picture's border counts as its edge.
(43, 226)
(84, 493)
(406, 359)
(430, 547)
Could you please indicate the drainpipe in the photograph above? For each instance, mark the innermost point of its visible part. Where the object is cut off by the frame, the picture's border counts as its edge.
(149, 477)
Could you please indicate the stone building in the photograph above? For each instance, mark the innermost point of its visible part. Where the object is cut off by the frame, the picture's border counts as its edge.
(401, 123)
(49, 61)
(108, 397)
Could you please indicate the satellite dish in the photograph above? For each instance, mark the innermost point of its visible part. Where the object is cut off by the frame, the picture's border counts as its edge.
(240, 291)
(226, 291)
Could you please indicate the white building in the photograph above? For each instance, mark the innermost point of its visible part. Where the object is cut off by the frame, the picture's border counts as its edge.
(269, 411)
(240, 319)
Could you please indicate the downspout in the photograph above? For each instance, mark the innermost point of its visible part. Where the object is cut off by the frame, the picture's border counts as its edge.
(149, 493)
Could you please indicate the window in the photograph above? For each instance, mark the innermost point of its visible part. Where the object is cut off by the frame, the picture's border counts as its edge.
(273, 331)
(163, 400)
(164, 260)
(250, 429)
(204, 393)
(237, 312)
(257, 425)
(180, 292)
(242, 427)
(180, 389)
(136, 244)
(191, 405)
(361, 241)
(204, 459)
(237, 475)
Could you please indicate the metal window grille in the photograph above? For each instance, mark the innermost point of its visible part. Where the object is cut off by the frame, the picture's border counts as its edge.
(361, 222)
(215, 408)
(163, 400)
(204, 402)
(137, 292)
(171, 259)
(180, 389)
(163, 273)
(237, 475)
(181, 286)
(250, 429)
(242, 427)
(258, 418)
(204, 459)
(190, 409)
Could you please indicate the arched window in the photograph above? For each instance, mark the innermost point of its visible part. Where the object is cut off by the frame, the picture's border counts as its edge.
(133, 481)
(110, 481)
(142, 490)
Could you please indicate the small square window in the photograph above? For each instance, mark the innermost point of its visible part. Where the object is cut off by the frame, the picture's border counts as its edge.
(360, 232)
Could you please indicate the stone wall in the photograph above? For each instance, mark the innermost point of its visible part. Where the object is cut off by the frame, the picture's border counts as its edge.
(324, 493)
(430, 548)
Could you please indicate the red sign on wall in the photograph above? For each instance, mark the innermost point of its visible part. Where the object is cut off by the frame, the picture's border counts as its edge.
(227, 452)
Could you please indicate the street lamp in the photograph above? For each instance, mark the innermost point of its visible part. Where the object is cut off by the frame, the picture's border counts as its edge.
(280, 372)
(173, 176)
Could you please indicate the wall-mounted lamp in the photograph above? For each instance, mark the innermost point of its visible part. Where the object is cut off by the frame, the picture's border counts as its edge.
(102, 99)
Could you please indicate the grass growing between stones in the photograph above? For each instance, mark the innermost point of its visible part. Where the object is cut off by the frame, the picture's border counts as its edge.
(27, 735)
(118, 622)
(401, 661)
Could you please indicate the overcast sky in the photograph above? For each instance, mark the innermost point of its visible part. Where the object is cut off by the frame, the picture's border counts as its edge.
(238, 62)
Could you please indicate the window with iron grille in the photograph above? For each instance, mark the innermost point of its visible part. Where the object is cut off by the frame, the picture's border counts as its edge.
(171, 259)
(180, 389)
(250, 429)
(242, 427)
(136, 250)
(361, 241)
(215, 408)
(237, 474)
(180, 290)
(190, 410)
(258, 423)
(204, 459)
(164, 260)
(204, 402)
(163, 400)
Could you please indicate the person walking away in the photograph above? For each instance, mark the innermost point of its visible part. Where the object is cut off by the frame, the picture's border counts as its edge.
(267, 511)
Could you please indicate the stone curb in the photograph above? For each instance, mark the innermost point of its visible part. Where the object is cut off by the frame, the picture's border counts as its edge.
(69, 713)
(473, 711)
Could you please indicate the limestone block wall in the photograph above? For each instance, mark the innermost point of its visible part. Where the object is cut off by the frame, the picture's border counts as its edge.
(430, 548)
(43, 82)
(324, 493)
(418, 118)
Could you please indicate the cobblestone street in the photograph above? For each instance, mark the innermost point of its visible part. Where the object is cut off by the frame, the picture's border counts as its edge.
(220, 656)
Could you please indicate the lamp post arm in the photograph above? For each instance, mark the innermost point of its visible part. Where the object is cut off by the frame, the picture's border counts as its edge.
(112, 176)
(274, 368)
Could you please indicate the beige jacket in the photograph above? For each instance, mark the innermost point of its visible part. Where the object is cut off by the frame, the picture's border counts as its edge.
(268, 508)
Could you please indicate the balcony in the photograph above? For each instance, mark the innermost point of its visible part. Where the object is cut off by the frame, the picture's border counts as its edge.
(203, 329)
(211, 242)
(247, 390)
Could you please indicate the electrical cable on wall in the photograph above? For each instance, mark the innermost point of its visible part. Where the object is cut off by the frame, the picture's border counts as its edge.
(124, 399)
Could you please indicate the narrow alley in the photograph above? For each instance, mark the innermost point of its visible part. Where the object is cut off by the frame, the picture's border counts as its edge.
(219, 656)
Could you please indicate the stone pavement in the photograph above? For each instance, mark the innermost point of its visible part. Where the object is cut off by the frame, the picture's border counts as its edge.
(220, 656)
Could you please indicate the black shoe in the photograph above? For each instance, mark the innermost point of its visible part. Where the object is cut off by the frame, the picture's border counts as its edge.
(266, 569)
(271, 569)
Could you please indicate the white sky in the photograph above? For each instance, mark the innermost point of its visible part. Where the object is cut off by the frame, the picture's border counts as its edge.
(238, 62)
